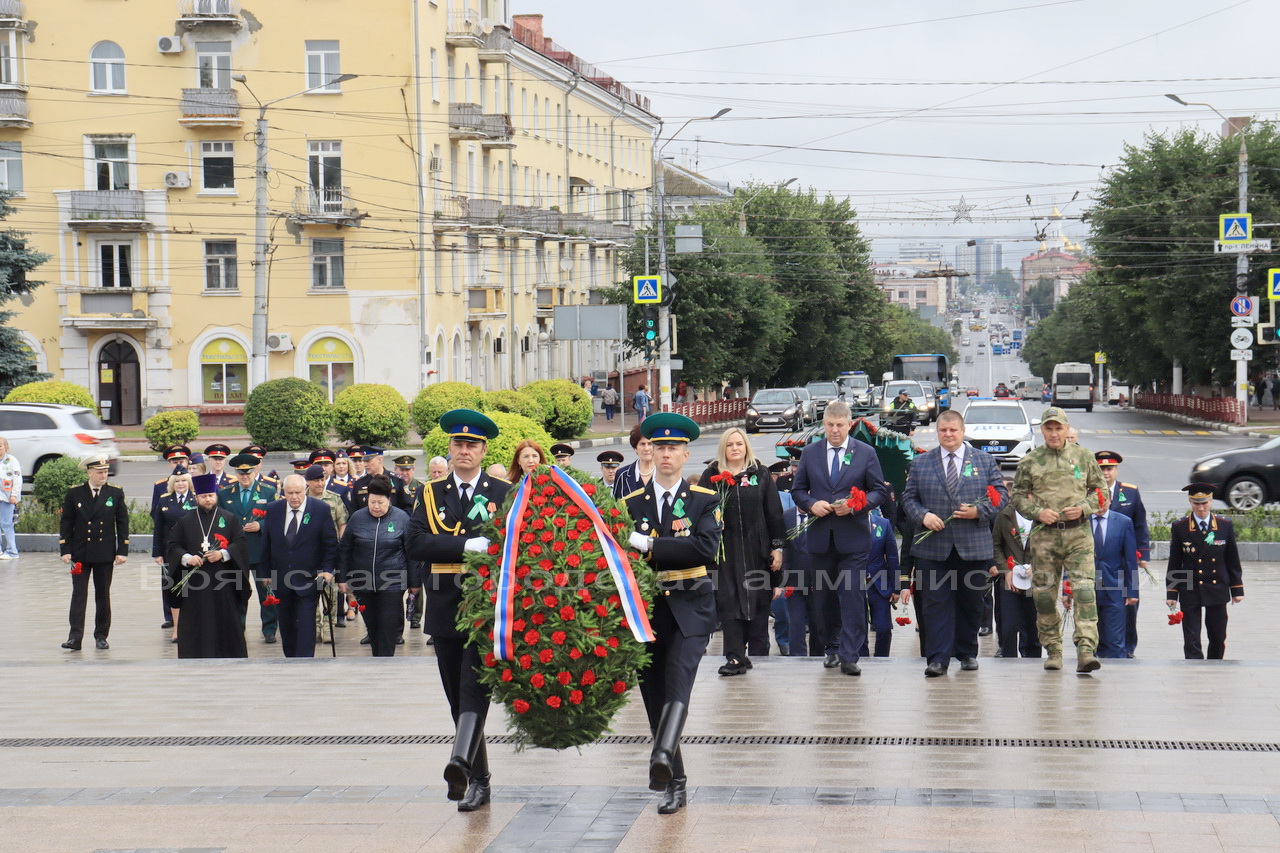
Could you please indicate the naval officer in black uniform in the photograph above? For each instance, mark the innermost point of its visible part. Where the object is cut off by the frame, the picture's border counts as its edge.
(1204, 573)
(442, 528)
(94, 539)
(679, 527)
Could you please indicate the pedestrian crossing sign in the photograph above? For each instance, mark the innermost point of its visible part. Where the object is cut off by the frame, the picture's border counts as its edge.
(1273, 284)
(1235, 227)
(647, 289)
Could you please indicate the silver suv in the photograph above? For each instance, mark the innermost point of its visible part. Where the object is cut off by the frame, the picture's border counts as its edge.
(40, 432)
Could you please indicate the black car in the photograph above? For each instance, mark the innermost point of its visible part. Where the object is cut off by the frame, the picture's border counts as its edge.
(775, 407)
(823, 393)
(1244, 478)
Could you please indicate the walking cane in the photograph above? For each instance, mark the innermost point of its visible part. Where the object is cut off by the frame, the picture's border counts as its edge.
(328, 611)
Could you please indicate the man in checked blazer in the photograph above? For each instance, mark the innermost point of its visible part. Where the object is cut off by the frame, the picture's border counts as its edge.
(952, 480)
(839, 540)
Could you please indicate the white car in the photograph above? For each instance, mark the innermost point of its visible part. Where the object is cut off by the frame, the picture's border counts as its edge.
(1001, 428)
(39, 432)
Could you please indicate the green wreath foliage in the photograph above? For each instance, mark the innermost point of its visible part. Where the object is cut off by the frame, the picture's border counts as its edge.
(575, 658)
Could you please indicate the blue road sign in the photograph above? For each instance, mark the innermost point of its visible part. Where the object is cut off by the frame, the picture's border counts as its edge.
(646, 289)
(1242, 306)
(1273, 284)
(1235, 227)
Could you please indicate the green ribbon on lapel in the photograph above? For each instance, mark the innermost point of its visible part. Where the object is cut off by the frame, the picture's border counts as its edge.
(677, 510)
(478, 508)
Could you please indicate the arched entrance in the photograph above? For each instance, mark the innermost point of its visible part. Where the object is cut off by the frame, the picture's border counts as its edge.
(119, 384)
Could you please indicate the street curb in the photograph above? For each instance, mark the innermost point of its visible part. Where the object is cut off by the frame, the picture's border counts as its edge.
(1203, 424)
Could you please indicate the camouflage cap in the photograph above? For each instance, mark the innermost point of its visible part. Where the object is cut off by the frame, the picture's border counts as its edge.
(1053, 413)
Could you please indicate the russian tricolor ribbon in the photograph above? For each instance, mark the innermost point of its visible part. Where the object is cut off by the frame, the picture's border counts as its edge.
(633, 603)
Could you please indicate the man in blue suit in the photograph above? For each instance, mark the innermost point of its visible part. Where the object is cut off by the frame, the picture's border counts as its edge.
(299, 547)
(951, 482)
(1126, 500)
(839, 539)
(1115, 558)
(882, 583)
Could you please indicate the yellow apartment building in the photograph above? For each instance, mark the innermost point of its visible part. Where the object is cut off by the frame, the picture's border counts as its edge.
(438, 176)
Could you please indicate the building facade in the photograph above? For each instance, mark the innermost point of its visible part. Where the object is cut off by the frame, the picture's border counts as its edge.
(438, 178)
(922, 288)
(980, 258)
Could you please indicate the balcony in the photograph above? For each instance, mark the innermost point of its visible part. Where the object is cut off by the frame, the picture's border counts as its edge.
(209, 13)
(210, 108)
(107, 210)
(494, 130)
(108, 309)
(12, 15)
(461, 209)
(496, 46)
(484, 302)
(325, 206)
(13, 110)
(464, 29)
(548, 299)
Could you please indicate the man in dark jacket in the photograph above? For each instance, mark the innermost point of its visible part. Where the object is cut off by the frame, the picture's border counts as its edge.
(94, 539)
(299, 549)
(1204, 573)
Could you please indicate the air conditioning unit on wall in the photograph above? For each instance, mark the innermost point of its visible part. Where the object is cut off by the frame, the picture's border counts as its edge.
(280, 342)
(169, 44)
(177, 180)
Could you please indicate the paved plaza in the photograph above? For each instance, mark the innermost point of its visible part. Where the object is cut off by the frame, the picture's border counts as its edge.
(131, 749)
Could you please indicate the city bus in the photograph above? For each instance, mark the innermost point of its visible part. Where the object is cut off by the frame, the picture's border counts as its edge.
(926, 367)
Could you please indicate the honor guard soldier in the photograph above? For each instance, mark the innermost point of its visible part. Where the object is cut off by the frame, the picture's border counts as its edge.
(94, 539)
(444, 526)
(1125, 499)
(178, 454)
(678, 526)
(562, 453)
(1204, 573)
(217, 455)
(609, 461)
(373, 467)
(247, 500)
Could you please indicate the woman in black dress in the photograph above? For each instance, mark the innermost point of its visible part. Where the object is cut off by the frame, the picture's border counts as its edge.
(750, 557)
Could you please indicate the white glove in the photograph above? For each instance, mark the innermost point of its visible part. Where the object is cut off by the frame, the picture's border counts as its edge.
(640, 542)
(479, 543)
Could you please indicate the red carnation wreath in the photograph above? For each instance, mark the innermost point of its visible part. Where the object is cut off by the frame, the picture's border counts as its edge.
(574, 657)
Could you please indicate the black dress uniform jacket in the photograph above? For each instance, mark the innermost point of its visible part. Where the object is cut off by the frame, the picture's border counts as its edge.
(358, 498)
(438, 530)
(94, 531)
(1210, 569)
(692, 601)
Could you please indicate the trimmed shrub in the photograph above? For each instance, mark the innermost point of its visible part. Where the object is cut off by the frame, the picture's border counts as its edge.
(53, 391)
(566, 407)
(53, 479)
(371, 414)
(434, 400)
(288, 414)
(512, 429)
(515, 402)
(166, 429)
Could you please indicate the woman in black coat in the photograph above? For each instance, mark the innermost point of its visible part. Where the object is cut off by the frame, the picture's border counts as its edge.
(750, 559)
(373, 565)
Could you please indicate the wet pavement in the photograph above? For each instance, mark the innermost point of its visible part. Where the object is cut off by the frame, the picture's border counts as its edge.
(130, 749)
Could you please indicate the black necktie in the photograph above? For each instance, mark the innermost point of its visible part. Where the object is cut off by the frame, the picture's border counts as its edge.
(1097, 532)
(666, 509)
(1204, 527)
(953, 473)
(95, 494)
(463, 495)
(293, 526)
(835, 463)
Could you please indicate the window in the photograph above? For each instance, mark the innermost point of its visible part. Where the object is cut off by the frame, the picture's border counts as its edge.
(213, 62)
(220, 265)
(331, 365)
(9, 60)
(217, 162)
(11, 167)
(106, 62)
(327, 265)
(111, 165)
(322, 66)
(115, 266)
(435, 76)
(224, 369)
(324, 165)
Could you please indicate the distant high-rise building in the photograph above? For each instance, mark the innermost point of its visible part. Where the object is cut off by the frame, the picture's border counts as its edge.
(981, 258)
(917, 251)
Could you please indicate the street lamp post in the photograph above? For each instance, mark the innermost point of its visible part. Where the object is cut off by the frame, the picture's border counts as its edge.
(258, 356)
(742, 212)
(664, 309)
(1242, 258)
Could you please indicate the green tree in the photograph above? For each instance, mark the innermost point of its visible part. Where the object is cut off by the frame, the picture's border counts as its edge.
(1039, 299)
(17, 365)
(1072, 332)
(1003, 283)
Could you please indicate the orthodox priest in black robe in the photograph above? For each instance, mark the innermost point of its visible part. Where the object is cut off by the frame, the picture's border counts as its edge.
(210, 556)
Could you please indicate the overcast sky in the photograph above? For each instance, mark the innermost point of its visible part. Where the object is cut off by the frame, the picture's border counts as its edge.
(987, 80)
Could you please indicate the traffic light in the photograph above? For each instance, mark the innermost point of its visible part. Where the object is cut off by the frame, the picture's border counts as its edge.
(650, 332)
(1267, 334)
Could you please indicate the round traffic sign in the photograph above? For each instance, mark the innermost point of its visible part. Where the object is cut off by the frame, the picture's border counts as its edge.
(1242, 306)
(1241, 339)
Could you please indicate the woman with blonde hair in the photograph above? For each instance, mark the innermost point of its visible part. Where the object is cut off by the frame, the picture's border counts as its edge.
(177, 501)
(749, 563)
(342, 469)
(528, 456)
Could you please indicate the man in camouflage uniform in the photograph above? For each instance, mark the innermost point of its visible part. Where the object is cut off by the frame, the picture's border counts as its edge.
(1059, 486)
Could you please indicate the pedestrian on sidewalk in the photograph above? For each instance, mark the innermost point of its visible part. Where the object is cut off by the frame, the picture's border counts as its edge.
(641, 403)
(1275, 392)
(609, 399)
(10, 494)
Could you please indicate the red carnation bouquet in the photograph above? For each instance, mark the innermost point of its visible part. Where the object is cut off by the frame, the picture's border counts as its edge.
(573, 654)
(857, 501)
(992, 497)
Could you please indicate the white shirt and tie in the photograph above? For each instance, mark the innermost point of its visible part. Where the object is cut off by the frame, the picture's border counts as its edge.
(292, 523)
(952, 463)
(665, 498)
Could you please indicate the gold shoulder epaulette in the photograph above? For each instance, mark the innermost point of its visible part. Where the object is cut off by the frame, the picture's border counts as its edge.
(440, 479)
(1128, 486)
(639, 491)
(702, 490)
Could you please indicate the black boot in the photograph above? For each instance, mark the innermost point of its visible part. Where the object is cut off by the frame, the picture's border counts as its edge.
(467, 737)
(666, 742)
(477, 794)
(675, 797)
